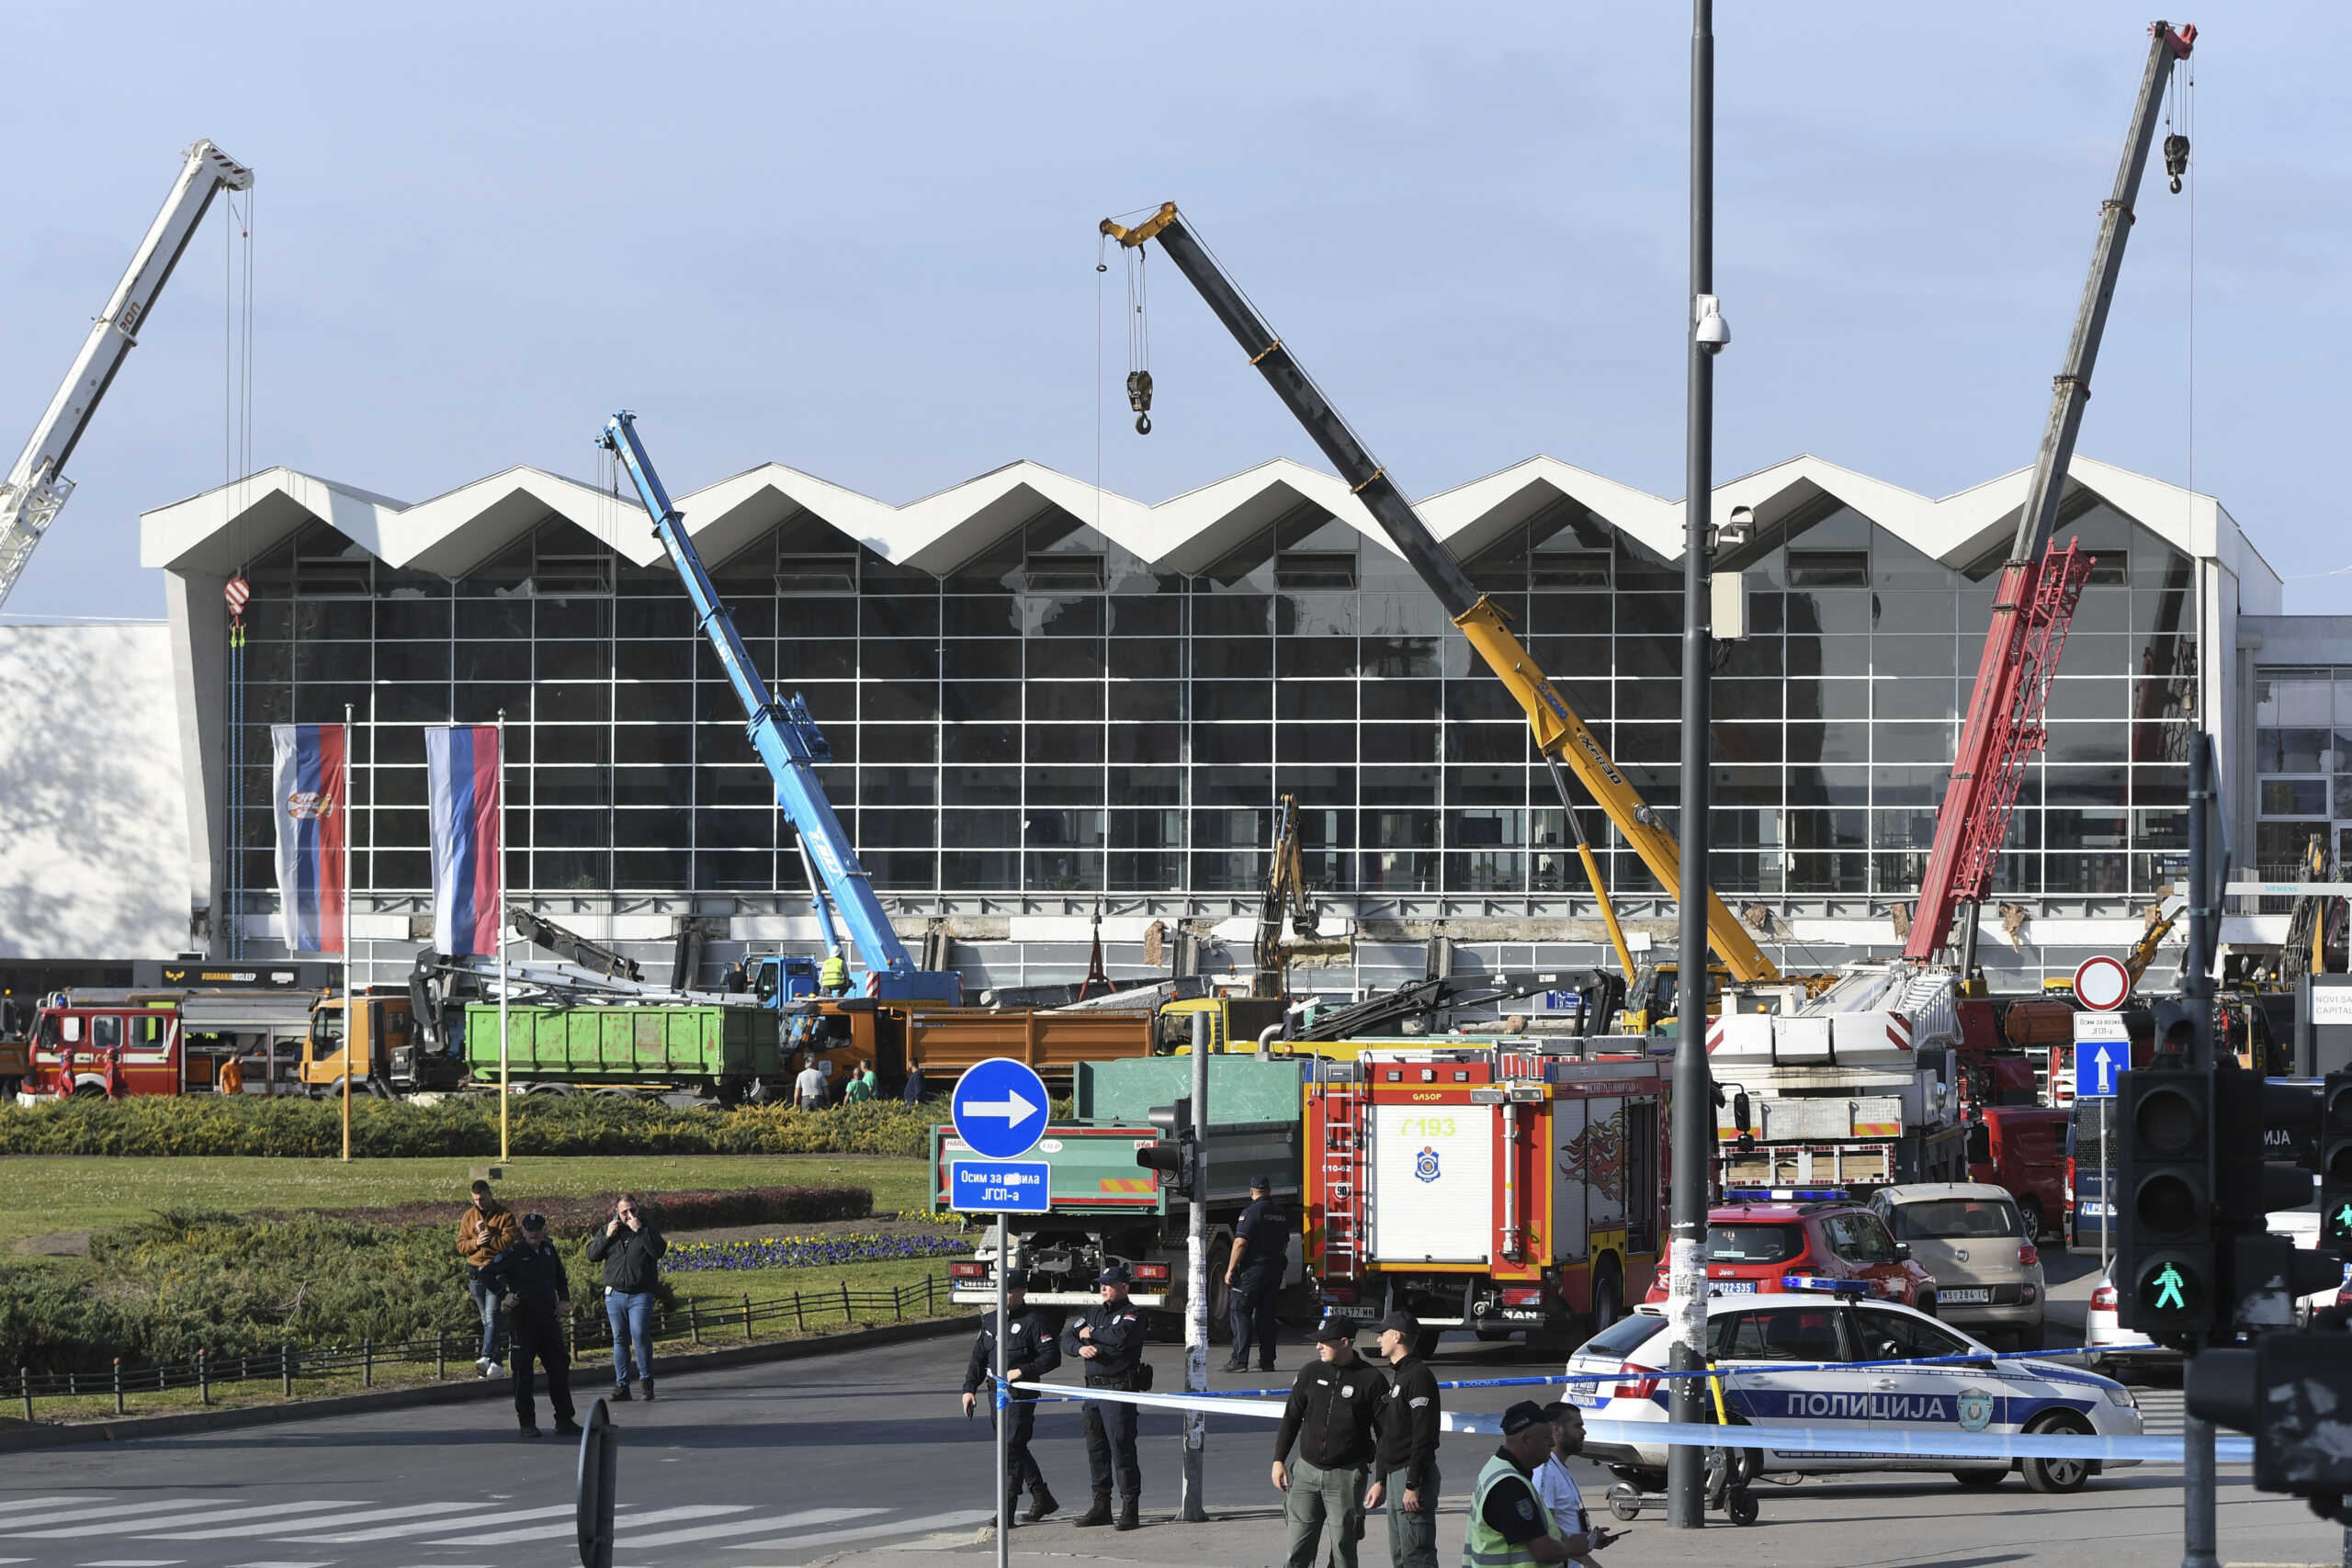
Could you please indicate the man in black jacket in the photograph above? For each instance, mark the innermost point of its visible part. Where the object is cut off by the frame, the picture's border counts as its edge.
(1332, 1407)
(529, 1278)
(630, 1249)
(1109, 1340)
(1407, 1472)
(1030, 1352)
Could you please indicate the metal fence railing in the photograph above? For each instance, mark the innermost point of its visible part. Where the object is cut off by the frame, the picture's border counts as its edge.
(290, 1364)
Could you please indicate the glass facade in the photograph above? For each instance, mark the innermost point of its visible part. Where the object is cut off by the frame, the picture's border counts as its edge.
(1060, 717)
(2303, 768)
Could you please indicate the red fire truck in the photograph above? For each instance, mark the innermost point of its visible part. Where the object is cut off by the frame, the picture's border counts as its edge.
(1510, 1191)
(108, 1042)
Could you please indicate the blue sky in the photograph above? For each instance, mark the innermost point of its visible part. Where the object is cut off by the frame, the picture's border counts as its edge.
(860, 240)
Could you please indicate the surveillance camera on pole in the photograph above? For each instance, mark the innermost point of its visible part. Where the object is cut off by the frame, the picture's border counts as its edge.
(1709, 330)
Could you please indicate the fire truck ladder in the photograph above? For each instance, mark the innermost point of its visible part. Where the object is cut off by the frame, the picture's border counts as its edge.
(1342, 1171)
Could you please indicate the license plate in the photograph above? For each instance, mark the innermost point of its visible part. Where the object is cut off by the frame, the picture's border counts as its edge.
(1587, 1401)
(1731, 1287)
(1979, 1297)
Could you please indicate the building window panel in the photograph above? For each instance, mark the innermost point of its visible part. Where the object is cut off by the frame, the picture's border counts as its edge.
(2296, 751)
(1147, 743)
(1488, 742)
(2294, 797)
(798, 659)
(980, 871)
(1064, 743)
(1231, 744)
(1317, 743)
(2081, 742)
(652, 702)
(1315, 700)
(571, 786)
(572, 743)
(912, 703)
(654, 787)
(1400, 658)
(654, 661)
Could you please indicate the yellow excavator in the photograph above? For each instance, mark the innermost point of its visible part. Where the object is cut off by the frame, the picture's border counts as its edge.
(1560, 734)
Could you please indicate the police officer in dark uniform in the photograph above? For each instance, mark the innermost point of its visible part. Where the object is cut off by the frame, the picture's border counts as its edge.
(1108, 1338)
(1253, 1276)
(1030, 1352)
(529, 1276)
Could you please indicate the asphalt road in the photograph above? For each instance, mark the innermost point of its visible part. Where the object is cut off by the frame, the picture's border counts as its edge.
(848, 1457)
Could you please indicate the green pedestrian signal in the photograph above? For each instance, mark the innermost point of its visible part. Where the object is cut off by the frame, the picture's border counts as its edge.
(2169, 1290)
(2165, 1288)
(2344, 1218)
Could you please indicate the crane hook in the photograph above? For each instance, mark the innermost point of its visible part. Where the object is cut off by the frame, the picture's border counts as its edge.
(2176, 159)
(1139, 399)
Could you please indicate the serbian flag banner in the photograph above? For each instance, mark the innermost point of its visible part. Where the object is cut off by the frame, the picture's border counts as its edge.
(461, 776)
(308, 778)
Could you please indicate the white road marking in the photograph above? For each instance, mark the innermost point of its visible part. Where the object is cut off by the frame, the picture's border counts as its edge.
(209, 1516)
(393, 1532)
(868, 1532)
(328, 1564)
(372, 1515)
(135, 1562)
(558, 1532)
(111, 1511)
(625, 1541)
(42, 1505)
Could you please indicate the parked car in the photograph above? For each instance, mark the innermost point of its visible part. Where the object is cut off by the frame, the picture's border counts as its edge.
(1615, 1378)
(1760, 1236)
(1974, 1238)
(2022, 1150)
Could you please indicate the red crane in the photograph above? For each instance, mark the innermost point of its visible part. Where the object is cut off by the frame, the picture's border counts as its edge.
(2039, 584)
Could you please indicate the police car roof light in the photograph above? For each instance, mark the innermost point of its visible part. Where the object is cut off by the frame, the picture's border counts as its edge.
(1824, 1283)
(1786, 1194)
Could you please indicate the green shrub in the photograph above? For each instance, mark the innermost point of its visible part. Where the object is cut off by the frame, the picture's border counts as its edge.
(668, 1211)
(465, 1126)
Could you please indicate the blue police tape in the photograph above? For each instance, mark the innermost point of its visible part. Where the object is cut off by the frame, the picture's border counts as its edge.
(1861, 1442)
(1776, 1369)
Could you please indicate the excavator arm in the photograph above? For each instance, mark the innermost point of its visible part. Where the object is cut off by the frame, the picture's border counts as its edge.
(1563, 736)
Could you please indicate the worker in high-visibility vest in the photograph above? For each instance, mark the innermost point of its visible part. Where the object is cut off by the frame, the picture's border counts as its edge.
(832, 976)
(1510, 1527)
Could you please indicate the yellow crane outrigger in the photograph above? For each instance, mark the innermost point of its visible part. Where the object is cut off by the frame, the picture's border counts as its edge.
(1559, 733)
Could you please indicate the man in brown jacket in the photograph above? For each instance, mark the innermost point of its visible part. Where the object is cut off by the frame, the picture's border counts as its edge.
(484, 1231)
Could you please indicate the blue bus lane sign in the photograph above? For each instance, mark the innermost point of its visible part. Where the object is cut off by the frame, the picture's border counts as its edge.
(999, 1186)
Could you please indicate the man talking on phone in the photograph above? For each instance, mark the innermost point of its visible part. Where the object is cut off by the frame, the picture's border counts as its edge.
(630, 1249)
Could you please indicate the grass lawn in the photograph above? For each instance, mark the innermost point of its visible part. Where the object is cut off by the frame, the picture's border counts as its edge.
(717, 1296)
(77, 1193)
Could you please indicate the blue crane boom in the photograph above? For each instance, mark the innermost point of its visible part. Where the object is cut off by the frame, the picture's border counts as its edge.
(791, 745)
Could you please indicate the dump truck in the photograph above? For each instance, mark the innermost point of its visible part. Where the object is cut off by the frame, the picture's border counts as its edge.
(726, 1053)
(1107, 1207)
(1508, 1190)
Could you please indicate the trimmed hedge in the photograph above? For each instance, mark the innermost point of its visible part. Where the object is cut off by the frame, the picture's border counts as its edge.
(667, 1211)
(298, 1128)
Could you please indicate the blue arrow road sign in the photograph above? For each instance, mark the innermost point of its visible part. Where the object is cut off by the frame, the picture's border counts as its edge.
(1000, 1109)
(1000, 1187)
(2097, 1063)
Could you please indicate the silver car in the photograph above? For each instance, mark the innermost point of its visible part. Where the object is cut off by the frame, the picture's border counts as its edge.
(1970, 1235)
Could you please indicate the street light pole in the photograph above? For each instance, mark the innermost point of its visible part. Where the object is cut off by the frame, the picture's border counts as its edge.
(1694, 1124)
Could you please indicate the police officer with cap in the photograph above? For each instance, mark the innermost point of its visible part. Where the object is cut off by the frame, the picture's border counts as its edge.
(1253, 1276)
(1108, 1337)
(1510, 1527)
(1030, 1352)
(1406, 1475)
(1331, 1414)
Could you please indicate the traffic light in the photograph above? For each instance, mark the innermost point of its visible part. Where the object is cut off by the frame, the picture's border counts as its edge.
(2184, 1031)
(2287, 1392)
(2336, 1162)
(1173, 1155)
(2164, 1256)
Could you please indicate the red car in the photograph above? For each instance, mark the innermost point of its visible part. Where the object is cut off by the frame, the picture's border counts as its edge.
(1760, 1235)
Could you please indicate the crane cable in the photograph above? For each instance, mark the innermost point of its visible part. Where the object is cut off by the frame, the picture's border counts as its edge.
(1139, 341)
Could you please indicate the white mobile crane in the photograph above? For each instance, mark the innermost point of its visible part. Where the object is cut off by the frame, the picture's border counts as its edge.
(37, 487)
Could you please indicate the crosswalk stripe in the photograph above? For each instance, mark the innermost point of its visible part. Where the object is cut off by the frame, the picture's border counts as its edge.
(110, 1511)
(135, 1562)
(372, 1515)
(556, 1532)
(281, 1565)
(42, 1505)
(393, 1532)
(625, 1542)
(868, 1532)
(209, 1516)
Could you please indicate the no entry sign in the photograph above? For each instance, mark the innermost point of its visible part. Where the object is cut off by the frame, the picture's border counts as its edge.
(2102, 983)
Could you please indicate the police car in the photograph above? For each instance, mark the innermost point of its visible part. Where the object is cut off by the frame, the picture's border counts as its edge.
(1825, 1325)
